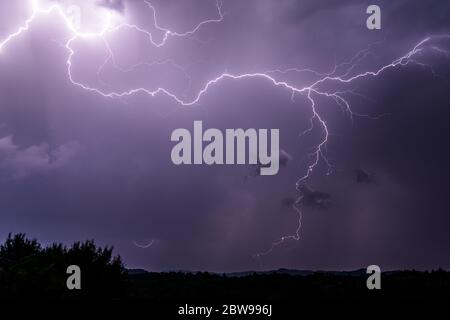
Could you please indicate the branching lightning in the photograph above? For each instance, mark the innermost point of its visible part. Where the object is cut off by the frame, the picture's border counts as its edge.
(341, 74)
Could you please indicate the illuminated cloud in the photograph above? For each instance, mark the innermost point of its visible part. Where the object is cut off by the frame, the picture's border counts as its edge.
(116, 5)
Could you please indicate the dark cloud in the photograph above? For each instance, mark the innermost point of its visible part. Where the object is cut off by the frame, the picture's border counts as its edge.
(288, 202)
(363, 176)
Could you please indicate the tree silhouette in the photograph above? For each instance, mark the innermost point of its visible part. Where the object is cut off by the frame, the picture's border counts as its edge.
(29, 270)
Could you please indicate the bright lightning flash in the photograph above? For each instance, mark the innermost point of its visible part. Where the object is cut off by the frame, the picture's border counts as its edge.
(342, 74)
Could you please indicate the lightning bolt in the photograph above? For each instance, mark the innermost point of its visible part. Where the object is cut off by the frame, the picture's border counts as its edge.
(145, 245)
(341, 74)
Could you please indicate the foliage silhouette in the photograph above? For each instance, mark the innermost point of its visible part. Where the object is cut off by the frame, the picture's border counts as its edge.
(29, 270)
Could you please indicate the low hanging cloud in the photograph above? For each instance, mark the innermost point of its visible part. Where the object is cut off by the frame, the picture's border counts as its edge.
(18, 163)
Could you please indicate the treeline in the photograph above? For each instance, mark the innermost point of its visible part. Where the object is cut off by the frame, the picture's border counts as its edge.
(267, 288)
(29, 270)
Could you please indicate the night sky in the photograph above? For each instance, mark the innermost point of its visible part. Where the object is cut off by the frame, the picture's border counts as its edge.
(75, 165)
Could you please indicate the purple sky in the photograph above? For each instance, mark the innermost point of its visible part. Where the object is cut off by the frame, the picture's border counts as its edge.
(75, 165)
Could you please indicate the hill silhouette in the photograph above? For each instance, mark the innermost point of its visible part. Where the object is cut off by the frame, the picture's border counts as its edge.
(29, 270)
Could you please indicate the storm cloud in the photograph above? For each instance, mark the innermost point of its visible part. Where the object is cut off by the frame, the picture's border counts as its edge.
(76, 165)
